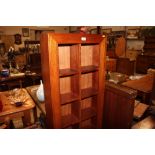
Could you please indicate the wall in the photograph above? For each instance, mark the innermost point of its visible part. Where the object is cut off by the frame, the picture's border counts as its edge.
(12, 30)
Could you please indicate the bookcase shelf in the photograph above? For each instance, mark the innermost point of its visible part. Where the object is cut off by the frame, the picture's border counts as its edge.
(67, 72)
(87, 113)
(69, 97)
(88, 69)
(88, 92)
(69, 120)
(73, 79)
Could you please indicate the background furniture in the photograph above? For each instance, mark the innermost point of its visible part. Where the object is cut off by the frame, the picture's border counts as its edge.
(143, 85)
(33, 54)
(144, 62)
(118, 107)
(11, 111)
(111, 64)
(125, 66)
(73, 70)
(11, 82)
(147, 59)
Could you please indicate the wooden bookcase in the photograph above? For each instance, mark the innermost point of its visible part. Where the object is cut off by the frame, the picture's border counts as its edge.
(73, 70)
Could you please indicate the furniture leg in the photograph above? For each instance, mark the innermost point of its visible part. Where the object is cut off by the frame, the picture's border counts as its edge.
(26, 118)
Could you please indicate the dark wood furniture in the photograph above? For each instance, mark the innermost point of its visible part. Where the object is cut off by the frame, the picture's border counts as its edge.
(147, 60)
(111, 64)
(33, 57)
(144, 62)
(73, 77)
(118, 107)
(144, 87)
(20, 80)
(8, 83)
(11, 111)
(125, 66)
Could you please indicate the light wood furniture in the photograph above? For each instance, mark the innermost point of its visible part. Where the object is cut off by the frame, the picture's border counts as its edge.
(73, 70)
(143, 85)
(11, 111)
(139, 110)
(118, 107)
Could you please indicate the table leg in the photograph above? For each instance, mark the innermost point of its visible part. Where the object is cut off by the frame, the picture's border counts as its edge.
(35, 114)
(26, 118)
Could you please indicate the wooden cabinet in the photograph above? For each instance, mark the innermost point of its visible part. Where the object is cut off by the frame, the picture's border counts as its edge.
(118, 107)
(73, 70)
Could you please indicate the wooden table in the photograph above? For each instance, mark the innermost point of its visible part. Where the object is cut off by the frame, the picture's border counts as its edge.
(32, 92)
(143, 86)
(11, 111)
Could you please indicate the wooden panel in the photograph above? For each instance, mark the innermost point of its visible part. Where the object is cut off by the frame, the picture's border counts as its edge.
(89, 55)
(64, 57)
(49, 58)
(75, 38)
(101, 83)
(86, 80)
(119, 106)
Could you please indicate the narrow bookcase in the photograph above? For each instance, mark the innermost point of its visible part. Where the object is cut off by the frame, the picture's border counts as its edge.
(73, 70)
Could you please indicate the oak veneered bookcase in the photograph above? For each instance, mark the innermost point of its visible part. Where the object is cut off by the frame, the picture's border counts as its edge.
(73, 70)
